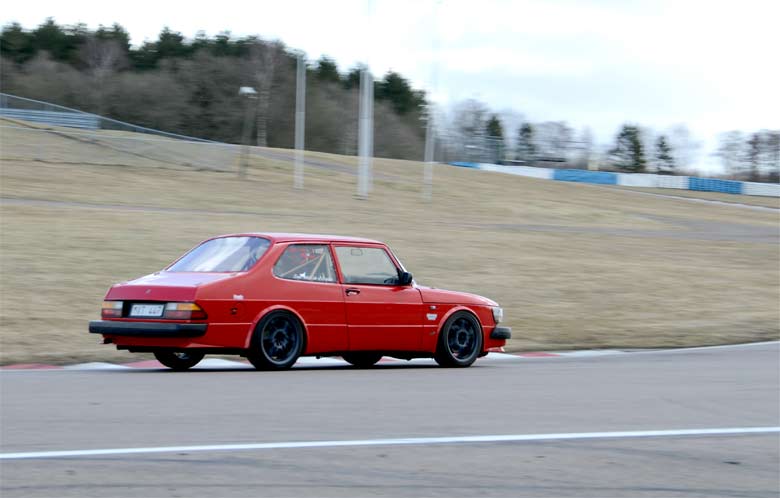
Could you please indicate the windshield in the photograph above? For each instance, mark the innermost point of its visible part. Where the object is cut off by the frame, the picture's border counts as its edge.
(225, 254)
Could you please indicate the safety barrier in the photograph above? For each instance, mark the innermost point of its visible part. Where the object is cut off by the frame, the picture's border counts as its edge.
(54, 118)
(714, 185)
(585, 176)
(635, 179)
(765, 189)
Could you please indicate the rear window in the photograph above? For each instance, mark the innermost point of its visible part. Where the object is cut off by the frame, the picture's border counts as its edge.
(225, 254)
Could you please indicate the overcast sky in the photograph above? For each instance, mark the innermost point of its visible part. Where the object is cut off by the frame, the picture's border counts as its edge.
(712, 65)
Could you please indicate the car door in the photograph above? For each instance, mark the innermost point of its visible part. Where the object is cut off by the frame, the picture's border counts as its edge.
(381, 315)
(306, 281)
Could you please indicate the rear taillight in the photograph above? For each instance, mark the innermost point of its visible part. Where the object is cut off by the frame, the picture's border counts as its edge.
(184, 311)
(111, 309)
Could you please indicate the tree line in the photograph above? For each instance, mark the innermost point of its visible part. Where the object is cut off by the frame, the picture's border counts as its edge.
(190, 86)
(473, 132)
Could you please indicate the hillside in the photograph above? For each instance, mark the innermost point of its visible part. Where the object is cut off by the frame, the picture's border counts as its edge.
(574, 265)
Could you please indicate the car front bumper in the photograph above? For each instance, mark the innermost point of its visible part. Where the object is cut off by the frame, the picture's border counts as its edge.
(147, 329)
(501, 333)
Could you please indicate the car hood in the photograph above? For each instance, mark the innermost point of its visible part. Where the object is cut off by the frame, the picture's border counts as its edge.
(441, 296)
(165, 286)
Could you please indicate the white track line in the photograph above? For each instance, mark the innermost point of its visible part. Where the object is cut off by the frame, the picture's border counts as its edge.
(394, 442)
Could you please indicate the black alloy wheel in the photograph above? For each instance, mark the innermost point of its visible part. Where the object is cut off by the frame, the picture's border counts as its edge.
(277, 342)
(460, 341)
(179, 360)
(362, 359)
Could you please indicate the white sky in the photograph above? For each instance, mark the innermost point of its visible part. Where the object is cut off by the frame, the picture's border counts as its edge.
(712, 65)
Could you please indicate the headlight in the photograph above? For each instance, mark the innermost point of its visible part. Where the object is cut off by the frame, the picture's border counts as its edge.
(498, 314)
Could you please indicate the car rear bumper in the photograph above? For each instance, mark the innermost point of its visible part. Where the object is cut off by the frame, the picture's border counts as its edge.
(501, 333)
(147, 329)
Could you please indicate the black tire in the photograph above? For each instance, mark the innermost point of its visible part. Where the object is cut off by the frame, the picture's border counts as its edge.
(277, 342)
(365, 359)
(460, 341)
(179, 360)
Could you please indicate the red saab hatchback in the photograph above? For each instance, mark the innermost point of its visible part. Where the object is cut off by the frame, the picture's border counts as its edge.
(273, 297)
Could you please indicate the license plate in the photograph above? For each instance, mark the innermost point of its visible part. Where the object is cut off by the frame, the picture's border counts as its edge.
(147, 310)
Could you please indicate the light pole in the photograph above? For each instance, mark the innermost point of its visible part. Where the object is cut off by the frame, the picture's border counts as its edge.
(300, 121)
(430, 131)
(366, 114)
(365, 130)
(250, 94)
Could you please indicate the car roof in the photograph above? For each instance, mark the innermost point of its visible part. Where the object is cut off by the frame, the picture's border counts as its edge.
(303, 237)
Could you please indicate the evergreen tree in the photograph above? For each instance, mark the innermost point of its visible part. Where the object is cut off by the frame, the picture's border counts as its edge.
(397, 90)
(663, 156)
(16, 43)
(754, 150)
(494, 131)
(526, 147)
(628, 153)
(327, 70)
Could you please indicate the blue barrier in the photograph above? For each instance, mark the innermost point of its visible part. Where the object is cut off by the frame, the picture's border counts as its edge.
(714, 185)
(585, 176)
(463, 164)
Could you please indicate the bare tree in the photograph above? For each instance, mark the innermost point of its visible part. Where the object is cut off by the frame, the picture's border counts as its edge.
(685, 147)
(585, 147)
(554, 140)
(102, 59)
(731, 152)
(264, 57)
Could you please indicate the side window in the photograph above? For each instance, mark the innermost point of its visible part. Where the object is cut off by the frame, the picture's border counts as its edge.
(310, 262)
(366, 265)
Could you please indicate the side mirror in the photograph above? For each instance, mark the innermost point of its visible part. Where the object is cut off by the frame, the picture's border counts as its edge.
(404, 278)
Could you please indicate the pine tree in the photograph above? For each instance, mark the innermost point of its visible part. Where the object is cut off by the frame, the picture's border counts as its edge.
(628, 153)
(494, 132)
(526, 147)
(663, 156)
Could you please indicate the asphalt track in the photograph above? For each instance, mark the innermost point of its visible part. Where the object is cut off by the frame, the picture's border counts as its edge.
(325, 431)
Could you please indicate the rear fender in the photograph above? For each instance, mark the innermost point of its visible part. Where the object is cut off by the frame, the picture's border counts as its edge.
(270, 309)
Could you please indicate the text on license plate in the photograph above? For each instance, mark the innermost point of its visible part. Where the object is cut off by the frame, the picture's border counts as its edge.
(146, 310)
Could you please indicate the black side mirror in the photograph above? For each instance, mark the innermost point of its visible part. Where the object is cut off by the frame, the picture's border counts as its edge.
(404, 278)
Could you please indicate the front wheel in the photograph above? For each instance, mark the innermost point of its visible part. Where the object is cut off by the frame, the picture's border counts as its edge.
(460, 341)
(277, 342)
(178, 360)
(362, 360)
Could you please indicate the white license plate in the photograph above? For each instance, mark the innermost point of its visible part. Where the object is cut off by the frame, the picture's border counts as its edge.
(147, 310)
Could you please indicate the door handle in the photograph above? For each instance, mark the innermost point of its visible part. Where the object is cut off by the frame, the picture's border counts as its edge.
(352, 291)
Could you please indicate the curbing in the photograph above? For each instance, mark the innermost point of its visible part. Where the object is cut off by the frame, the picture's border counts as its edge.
(495, 354)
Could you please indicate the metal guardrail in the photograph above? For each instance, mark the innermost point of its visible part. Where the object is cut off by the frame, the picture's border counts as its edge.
(55, 118)
(29, 107)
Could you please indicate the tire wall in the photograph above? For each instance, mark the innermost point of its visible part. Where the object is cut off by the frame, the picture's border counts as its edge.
(635, 179)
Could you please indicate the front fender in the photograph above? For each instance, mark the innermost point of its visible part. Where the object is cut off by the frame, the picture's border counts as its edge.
(431, 340)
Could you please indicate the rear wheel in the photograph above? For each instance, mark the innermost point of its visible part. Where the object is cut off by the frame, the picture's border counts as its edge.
(460, 341)
(362, 360)
(178, 360)
(277, 342)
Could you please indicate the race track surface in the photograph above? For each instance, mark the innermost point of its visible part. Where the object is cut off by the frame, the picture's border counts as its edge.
(566, 400)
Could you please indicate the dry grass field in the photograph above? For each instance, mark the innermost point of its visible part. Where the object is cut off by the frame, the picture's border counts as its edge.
(575, 266)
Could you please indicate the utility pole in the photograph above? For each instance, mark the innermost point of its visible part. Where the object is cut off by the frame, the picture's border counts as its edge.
(430, 131)
(300, 121)
(429, 143)
(365, 130)
(366, 116)
(250, 96)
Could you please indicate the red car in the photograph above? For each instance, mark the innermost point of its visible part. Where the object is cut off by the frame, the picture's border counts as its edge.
(273, 297)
